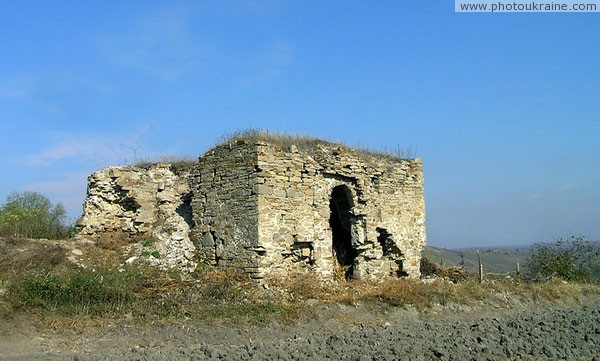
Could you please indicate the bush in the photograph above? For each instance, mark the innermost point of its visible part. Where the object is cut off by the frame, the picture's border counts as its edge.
(32, 215)
(429, 268)
(432, 269)
(574, 259)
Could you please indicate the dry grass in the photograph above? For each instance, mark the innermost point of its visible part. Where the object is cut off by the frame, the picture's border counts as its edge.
(422, 295)
(18, 255)
(40, 282)
(113, 241)
(178, 164)
(311, 144)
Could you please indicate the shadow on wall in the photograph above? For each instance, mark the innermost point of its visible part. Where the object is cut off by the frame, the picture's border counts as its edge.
(185, 209)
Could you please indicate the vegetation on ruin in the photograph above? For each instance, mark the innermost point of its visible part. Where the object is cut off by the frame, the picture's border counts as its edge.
(178, 164)
(310, 144)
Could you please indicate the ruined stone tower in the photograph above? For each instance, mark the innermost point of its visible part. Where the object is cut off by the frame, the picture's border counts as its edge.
(273, 208)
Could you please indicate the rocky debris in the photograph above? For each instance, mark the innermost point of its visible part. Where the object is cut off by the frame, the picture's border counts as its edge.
(151, 204)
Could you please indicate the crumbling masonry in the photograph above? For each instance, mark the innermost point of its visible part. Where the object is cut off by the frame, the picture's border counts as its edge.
(271, 210)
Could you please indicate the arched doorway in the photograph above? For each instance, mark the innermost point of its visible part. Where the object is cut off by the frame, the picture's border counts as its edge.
(340, 222)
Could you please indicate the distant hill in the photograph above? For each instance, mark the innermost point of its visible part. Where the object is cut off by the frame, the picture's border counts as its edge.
(499, 260)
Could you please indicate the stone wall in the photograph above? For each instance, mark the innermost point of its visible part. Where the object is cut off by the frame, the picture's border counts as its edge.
(381, 199)
(268, 209)
(151, 204)
(225, 207)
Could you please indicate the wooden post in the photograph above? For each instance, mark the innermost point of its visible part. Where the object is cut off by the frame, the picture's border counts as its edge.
(518, 272)
(480, 267)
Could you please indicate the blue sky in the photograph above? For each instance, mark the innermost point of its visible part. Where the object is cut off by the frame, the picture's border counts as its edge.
(503, 108)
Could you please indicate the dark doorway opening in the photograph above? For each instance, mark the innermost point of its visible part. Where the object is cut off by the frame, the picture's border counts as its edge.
(340, 222)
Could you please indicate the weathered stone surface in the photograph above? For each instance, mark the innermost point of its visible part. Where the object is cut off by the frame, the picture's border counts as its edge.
(285, 222)
(271, 210)
(153, 202)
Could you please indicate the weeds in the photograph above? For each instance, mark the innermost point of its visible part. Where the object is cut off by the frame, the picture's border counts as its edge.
(309, 144)
(76, 292)
(215, 295)
(18, 256)
(226, 296)
(37, 279)
(423, 295)
(178, 164)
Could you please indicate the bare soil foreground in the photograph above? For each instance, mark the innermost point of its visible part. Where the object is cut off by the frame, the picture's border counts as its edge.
(503, 328)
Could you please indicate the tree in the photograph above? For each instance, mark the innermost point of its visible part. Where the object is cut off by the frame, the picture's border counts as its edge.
(573, 259)
(32, 215)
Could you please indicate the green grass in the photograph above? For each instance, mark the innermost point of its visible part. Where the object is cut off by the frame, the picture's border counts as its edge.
(212, 295)
(71, 293)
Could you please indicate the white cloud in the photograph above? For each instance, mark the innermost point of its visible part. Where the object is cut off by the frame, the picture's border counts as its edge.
(96, 150)
(30, 85)
(534, 196)
(251, 7)
(280, 53)
(80, 155)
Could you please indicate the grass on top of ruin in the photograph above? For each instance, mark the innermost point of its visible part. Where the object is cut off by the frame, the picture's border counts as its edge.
(177, 163)
(309, 144)
(184, 163)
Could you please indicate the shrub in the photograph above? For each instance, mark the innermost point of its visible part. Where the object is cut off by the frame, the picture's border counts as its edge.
(32, 215)
(429, 268)
(432, 269)
(574, 259)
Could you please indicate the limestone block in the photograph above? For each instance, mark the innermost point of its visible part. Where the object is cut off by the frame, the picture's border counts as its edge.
(305, 252)
(293, 192)
(114, 173)
(280, 193)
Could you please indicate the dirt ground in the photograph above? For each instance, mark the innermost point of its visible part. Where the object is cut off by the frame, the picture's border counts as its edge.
(501, 329)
